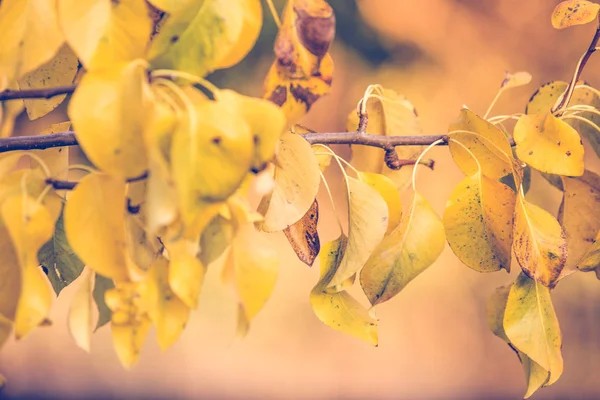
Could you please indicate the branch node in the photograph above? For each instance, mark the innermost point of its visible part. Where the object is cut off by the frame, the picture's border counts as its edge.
(392, 160)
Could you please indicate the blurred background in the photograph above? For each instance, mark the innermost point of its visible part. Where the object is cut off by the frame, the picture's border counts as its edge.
(434, 341)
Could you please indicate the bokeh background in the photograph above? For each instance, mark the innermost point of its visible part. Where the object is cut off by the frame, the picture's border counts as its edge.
(434, 341)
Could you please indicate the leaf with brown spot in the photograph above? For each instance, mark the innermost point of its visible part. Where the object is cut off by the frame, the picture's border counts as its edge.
(303, 235)
(539, 243)
(302, 71)
(574, 12)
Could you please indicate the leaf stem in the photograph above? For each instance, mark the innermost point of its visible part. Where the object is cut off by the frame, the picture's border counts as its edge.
(414, 172)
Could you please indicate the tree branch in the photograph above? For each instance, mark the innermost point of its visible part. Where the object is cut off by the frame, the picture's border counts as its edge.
(44, 93)
(38, 142)
(70, 185)
(384, 142)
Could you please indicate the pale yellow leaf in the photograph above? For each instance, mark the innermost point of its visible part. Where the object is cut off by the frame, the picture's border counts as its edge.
(485, 141)
(549, 144)
(186, 272)
(56, 158)
(517, 79)
(95, 225)
(478, 223)
(29, 225)
(531, 325)
(390, 194)
(297, 182)
(406, 252)
(367, 225)
(30, 35)
(340, 310)
(81, 321)
(109, 111)
(105, 32)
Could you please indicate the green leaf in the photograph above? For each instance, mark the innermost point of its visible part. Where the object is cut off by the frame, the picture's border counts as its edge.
(58, 259)
(101, 286)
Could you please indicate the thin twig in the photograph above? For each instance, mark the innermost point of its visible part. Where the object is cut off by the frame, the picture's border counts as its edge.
(578, 70)
(44, 93)
(70, 185)
(384, 142)
(38, 142)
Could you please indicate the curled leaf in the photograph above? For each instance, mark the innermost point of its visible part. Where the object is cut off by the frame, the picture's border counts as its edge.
(303, 235)
(340, 310)
(406, 252)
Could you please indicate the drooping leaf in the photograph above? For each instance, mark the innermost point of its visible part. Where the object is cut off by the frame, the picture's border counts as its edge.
(367, 225)
(166, 311)
(303, 235)
(406, 252)
(485, 141)
(266, 121)
(549, 144)
(210, 156)
(531, 325)
(101, 286)
(201, 36)
(535, 375)
(545, 97)
(579, 216)
(95, 225)
(574, 12)
(169, 6)
(104, 33)
(302, 71)
(129, 321)
(215, 239)
(59, 260)
(478, 223)
(5, 331)
(30, 35)
(390, 114)
(29, 225)
(297, 182)
(251, 267)
(340, 310)
(539, 243)
(9, 110)
(59, 71)
(108, 111)
(186, 272)
(81, 322)
(389, 192)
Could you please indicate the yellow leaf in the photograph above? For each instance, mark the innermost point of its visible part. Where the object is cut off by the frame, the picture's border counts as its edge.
(579, 215)
(340, 310)
(367, 224)
(213, 139)
(303, 235)
(517, 79)
(549, 145)
(531, 325)
(251, 267)
(478, 223)
(266, 121)
(95, 225)
(485, 141)
(539, 243)
(108, 111)
(297, 182)
(30, 35)
(29, 226)
(206, 35)
(186, 272)
(5, 331)
(10, 284)
(389, 192)
(545, 97)
(302, 71)
(167, 312)
(59, 71)
(535, 375)
(129, 321)
(406, 252)
(215, 239)
(161, 196)
(574, 12)
(104, 33)
(81, 323)
(169, 6)
(390, 114)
